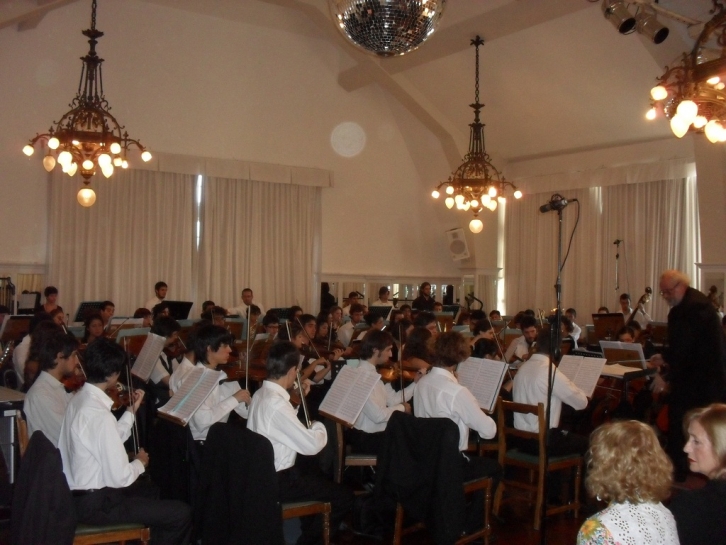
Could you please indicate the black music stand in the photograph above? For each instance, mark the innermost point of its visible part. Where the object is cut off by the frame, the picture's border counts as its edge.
(608, 325)
(281, 313)
(451, 309)
(179, 310)
(28, 301)
(85, 308)
(380, 312)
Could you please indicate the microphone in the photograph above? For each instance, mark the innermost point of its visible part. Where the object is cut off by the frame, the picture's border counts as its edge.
(557, 202)
(617, 241)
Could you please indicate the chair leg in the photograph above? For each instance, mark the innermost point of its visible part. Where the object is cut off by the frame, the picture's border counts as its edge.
(540, 506)
(498, 498)
(487, 511)
(326, 528)
(578, 479)
(398, 528)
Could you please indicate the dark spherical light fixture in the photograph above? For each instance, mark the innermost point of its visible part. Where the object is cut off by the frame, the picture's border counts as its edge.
(387, 27)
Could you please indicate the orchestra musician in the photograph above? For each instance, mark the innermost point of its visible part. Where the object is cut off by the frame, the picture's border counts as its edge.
(428, 321)
(571, 313)
(145, 315)
(641, 316)
(166, 327)
(160, 289)
(417, 349)
(108, 309)
(519, 349)
(345, 332)
(247, 298)
(383, 294)
(51, 301)
(272, 416)
(102, 479)
(353, 298)
(47, 399)
(92, 327)
(271, 323)
(495, 316)
(424, 301)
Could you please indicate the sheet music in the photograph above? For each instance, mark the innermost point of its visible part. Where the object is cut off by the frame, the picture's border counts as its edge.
(195, 388)
(583, 372)
(348, 394)
(144, 364)
(623, 352)
(483, 378)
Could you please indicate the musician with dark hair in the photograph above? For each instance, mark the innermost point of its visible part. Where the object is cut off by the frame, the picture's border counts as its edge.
(160, 289)
(47, 399)
(108, 309)
(95, 462)
(424, 301)
(272, 416)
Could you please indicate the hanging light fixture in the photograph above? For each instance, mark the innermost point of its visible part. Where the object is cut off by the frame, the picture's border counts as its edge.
(87, 137)
(476, 184)
(692, 93)
(385, 27)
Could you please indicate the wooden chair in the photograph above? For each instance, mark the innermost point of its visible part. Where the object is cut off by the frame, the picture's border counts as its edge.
(484, 484)
(307, 508)
(347, 460)
(535, 464)
(88, 534)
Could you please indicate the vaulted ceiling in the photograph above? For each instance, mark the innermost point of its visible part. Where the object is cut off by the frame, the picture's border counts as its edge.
(556, 77)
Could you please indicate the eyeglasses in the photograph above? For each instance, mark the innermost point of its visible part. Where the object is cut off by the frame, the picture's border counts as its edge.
(669, 291)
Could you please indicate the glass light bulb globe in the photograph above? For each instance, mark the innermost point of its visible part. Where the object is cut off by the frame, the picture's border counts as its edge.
(71, 170)
(651, 114)
(466, 206)
(65, 158)
(658, 92)
(492, 192)
(492, 205)
(719, 86)
(86, 197)
(474, 203)
(75, 143)
(146, 157)
(115, 148)
(435, 194)
(714, 80)
(518, 194)
(459, 199)
(501, 199)
(87, 165)
(449, 202)
(104, 159)
(53, 143)
(117, 161)
(476, 225)
(687, 110)
(107, 170)
(679, 126)
(700, 122)
(449, 190)
(722, 134)
(124, 164)
(28, 150)
(48, 162)
(713, 131)
(485, 200)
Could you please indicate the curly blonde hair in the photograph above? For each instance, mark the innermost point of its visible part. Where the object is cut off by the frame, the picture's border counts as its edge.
(626, 463)
(713, 420)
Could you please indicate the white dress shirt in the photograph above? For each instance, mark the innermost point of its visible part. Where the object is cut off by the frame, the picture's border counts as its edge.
(518, 347)
(379, 303)
(345, 333)
(530, 387)
(91, 443)
(439, 395)
(216, 407)
(272, 415)
(45, 405)
(160, 368)
(241, 309)
(151, 303)
(177, 377)
(346, 310)
(381, 404)
(642, 317)
(20, 355)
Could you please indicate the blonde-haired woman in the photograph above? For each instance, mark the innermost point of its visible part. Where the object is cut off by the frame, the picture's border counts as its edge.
(628, 469)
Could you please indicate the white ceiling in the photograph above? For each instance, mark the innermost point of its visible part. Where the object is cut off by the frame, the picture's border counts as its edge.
(556, 77)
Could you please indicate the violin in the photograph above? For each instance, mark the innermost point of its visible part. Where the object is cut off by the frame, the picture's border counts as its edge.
(119, 393)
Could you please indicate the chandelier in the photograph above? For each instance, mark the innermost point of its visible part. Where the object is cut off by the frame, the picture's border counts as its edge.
(476, 184)
(387, 27)
(88, 137)
(692, 94)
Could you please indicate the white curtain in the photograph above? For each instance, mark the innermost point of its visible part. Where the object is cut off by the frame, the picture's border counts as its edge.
(657, 222)
(139, 231)
(264, 236)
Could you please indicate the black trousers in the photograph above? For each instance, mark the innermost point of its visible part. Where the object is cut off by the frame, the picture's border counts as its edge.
(363, 442)
(169, 520)
(296, 486)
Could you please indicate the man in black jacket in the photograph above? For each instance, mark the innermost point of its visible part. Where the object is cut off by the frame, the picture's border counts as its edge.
(694, 364)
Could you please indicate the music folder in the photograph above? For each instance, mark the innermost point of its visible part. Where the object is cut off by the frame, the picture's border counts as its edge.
(149, 355)
(627, 354)
(195, 388)
(348, 394)
(583, 371)
(483, 378)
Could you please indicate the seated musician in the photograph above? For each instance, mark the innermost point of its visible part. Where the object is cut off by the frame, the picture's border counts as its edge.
(519, 349)
(418, 348)
(189, 359)
(375, 323)
(215, 315)
(353, 299)
(568, 331)
(483, 330)
(640, 316)
(603, 310)
(345, 332)
(495, 316)
(271, 323)
(145, 315)
(464, 318)
(161, 309)
(47, 399)
(22, 350)
(313, 368)
(207, 306)
(427, 320)
(241, 309)
(166, 327)
(439, 395)
(383, 400)
(336, 318)
(571, 313)
(438, 307)
(58, 316)
(626, 334)
(253, 315)
(399, 330)
(295, 312)
(383, 298)
(272, 415)
(108, 309)
(530, 387)
(96, 465)
(160, 289)
(92, 327)
(407, 312)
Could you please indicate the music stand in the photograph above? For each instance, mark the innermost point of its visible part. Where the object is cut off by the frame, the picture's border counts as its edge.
(28, 302)
(179, 310)
(608, 325)
(281, 313)
(380, 312)
(87, 307)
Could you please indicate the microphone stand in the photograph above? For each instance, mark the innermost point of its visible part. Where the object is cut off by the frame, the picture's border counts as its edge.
(617, 261)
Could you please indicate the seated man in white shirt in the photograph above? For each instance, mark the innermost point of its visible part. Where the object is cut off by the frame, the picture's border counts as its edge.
(639, 314)
(96, 465)
(241, 309)
(46, 401)
(160, 289)
(353, 298)
(383, 401)
(168, 328)
(530, 387)
(519, 349)
(439, 395)
(383, 294)
(272, 415)
(345, 332)
(571, 313)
